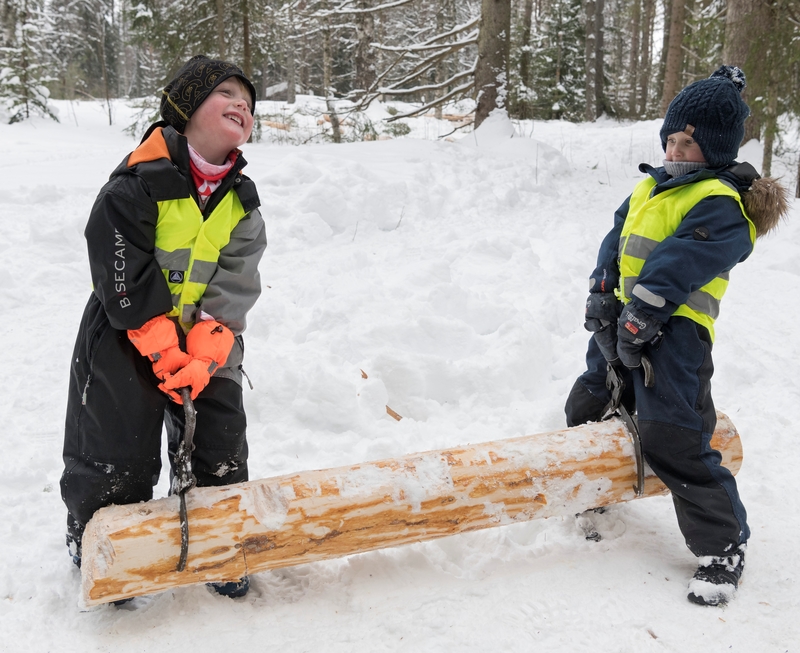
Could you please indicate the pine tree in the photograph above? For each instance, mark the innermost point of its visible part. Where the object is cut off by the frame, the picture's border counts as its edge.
(557, 67)
(23, 73)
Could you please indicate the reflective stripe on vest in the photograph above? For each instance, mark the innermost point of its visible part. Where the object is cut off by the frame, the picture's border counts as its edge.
(652, 219)
(187, 248)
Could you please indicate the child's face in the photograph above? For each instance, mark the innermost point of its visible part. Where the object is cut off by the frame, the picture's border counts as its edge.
(222, 122)
(681, 147)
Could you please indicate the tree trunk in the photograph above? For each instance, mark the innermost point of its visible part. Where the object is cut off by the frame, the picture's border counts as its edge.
(101, 54)
(674, 59)
(738, 33)
(247, 62)
(600, 71)
(491, 71)
(445, 20)
(291, 71)
(363, 56)
(327, 83)
(309, 516)
(797, 182)
(221, 28)
(747, 36)
(590, 56)
(525, 57)
(646, 63)
(633, 65)
(770, 131)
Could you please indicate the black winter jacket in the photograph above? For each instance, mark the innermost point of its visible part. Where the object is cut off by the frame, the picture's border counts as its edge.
(120, 234)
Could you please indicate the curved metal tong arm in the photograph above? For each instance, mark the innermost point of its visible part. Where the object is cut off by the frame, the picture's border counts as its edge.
(184, 479)
(615, 383)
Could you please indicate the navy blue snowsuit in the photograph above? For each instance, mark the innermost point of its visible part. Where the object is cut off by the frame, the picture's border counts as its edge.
(677, 417)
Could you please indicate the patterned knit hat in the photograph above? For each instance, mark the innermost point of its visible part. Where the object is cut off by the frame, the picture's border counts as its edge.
(715, 109)
(192, 84)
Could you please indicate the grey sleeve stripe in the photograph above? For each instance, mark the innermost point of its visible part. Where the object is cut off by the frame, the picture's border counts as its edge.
(187, 315)
(202, 271)
(648, 296)
(639, 246)
(705, 303)
(177, 260)
(236, 284)
(628, 284)
(699, 300)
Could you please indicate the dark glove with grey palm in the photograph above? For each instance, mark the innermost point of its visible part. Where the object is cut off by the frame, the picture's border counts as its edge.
(601, 320)
(636, 329)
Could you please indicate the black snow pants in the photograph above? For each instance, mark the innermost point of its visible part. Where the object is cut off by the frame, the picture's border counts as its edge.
(676, 420)
(115, 415)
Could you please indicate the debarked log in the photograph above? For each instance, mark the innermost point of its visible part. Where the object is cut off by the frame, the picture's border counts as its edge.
(250, 527)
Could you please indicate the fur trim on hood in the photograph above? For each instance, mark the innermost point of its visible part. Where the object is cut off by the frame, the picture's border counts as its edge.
(766, 203)
(764, 199)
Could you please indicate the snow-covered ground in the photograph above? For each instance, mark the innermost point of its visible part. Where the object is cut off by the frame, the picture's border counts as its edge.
(453, 272)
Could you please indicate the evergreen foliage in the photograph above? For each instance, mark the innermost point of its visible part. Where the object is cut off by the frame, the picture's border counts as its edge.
(557, 65)
(23, 69)
(407, 50)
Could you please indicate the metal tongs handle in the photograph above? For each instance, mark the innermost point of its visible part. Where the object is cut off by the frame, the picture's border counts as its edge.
(615, 383)
(184, 479)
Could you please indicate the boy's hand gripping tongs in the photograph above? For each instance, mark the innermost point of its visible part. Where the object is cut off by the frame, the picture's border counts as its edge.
(184, 479)
(615, 383)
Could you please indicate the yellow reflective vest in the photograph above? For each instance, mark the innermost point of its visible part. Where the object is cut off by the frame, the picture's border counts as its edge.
(188, 247)
(651, 219)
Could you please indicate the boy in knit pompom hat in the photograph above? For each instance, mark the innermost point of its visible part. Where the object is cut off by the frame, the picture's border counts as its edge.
(174, 238)
(653, 299)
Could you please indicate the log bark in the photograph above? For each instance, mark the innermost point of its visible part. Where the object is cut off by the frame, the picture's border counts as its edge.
(250, 527)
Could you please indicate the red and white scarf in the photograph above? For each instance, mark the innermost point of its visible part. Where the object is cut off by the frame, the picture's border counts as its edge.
(208, 176)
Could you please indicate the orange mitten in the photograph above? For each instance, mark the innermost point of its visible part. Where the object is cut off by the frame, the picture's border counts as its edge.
(209, 344)
(158, 340)
(210, 341)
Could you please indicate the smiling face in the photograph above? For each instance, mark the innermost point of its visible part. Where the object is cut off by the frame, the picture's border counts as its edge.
(682, 147)
(222, 122)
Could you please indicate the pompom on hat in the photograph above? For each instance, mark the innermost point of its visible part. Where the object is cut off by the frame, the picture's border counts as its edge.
(715, 109)
(192, 84)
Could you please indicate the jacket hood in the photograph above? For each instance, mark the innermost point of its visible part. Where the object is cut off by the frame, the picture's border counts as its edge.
(766, 203)
(764, 198)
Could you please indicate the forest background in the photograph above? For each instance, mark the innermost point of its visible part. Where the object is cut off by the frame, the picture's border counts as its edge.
(572, 60)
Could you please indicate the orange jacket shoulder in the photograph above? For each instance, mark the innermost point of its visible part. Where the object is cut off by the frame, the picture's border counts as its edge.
(155, 147)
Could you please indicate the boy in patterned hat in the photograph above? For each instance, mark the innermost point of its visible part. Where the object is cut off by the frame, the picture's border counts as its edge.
(174, 239)
(653, 299)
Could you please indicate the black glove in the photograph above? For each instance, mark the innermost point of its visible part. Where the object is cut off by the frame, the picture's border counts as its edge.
(636, 329)
(601, 320)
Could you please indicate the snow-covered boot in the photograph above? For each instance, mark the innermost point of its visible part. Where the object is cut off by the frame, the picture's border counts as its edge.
(717, 578)
(234, 590)
(74, 545)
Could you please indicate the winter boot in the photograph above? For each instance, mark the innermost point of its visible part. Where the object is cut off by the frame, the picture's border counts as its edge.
(74, 537)
(716, 578)
(233, 590)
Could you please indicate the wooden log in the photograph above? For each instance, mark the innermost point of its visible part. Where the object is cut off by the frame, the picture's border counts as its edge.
(298, 518)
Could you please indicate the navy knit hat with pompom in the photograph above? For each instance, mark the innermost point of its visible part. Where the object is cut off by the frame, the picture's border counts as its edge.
(192, 84)
(714, 107)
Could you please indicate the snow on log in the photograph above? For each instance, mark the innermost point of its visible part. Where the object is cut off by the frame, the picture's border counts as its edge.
(250, 527)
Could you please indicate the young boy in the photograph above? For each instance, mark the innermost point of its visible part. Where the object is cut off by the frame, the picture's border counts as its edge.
(653, 298)
(174, 238)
